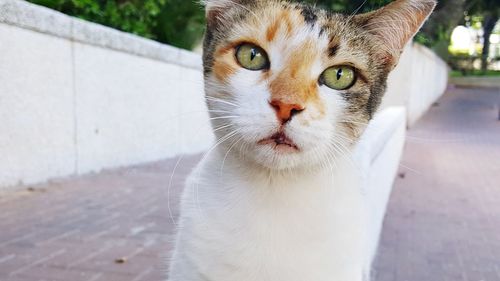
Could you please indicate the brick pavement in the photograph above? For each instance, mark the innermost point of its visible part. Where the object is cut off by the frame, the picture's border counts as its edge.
(443, 220)
(111, 226)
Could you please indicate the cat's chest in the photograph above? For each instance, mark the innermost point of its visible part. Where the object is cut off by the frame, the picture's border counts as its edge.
(316, 212)
(292, 232)
(304, 228)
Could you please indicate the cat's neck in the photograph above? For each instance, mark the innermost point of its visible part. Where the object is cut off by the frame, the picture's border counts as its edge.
(233, 166)
(241, 185)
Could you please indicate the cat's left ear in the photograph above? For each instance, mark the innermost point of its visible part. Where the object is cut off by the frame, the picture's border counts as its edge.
(215, 8)
(395, 24)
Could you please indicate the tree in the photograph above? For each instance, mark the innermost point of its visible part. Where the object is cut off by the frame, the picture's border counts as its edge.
(436, 33)
(176, 22)
(134, 16)
(181, 23)
(490, 11)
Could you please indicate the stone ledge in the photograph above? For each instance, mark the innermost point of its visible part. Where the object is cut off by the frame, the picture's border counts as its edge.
(30, 16)
(476, 81)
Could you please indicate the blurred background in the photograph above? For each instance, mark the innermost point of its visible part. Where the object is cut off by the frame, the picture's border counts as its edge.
(103, 116)
(465, 33)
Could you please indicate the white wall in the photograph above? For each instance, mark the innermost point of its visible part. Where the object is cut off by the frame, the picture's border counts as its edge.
(77, 97)
(418, 80)
(131, 110)
(378, 154)
(36, 107)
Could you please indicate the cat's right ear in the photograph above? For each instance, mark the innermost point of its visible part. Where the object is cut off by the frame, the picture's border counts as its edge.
(395, 24)
(215, 9)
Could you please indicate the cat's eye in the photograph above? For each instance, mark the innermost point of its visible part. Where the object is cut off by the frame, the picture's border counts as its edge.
(338, 77)
(252, 57)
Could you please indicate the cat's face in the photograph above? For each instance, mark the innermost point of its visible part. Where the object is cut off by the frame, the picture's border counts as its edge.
(291, 86)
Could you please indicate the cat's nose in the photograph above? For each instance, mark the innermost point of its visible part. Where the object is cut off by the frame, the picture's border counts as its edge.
(285, 111)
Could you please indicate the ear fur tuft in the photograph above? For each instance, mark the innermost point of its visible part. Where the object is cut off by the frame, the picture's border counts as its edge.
(211, 4)
(215, 8)
(396, 23)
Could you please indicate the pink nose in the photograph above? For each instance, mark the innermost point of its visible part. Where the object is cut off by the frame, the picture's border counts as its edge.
(285, 111)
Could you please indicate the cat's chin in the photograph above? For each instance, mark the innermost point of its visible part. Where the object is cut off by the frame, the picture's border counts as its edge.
(280, 143)
(279, 157)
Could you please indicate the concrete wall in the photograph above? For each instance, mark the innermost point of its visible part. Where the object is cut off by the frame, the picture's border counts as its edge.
(476, 81)
(378, 155)
(418, 80)
(77, 97)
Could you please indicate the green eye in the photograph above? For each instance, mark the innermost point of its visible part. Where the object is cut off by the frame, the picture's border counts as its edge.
(338, 77)
(252, 57)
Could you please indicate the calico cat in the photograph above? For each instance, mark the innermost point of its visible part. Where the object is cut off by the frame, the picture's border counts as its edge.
(290, 88)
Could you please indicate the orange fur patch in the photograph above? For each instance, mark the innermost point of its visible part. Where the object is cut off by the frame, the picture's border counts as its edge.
(223, 70)
(288, 22)
(283, 18)
(224, 63)
(271, 30)
(294, 84)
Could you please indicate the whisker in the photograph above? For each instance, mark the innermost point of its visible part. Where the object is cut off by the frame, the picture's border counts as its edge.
(223, 117)
(205, 156)
(221, 101)
(227, 153)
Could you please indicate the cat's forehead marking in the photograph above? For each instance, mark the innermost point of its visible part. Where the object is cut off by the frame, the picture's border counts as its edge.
(281, 21)
(309, 15)
(290, 26)
(334, 41)
(295, 44)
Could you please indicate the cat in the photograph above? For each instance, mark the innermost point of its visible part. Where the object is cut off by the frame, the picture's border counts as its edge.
(290, 89)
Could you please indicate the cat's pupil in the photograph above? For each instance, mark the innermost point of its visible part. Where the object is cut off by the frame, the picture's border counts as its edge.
(253, 54)
(339, 73)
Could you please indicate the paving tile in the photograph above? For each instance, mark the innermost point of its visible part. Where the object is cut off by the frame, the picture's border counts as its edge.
(77, 229)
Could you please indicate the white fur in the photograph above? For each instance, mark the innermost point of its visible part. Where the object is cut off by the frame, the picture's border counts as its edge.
(250, 213)
(248, 225)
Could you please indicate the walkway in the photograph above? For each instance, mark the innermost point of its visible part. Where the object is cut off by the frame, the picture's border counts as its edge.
(114, 226)
(443, 221)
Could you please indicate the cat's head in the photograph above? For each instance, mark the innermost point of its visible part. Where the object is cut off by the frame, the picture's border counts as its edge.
(290, 85)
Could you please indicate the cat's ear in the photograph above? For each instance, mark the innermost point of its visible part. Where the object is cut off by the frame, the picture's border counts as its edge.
(215, 8)
(395, 24)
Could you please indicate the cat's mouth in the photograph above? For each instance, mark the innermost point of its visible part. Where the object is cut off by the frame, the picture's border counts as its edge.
(280, 142)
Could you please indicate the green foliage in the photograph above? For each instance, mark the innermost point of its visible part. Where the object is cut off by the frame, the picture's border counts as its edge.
(181, 22)
(133, 16)
(458, 73)
(349, 6)
(176, 22)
